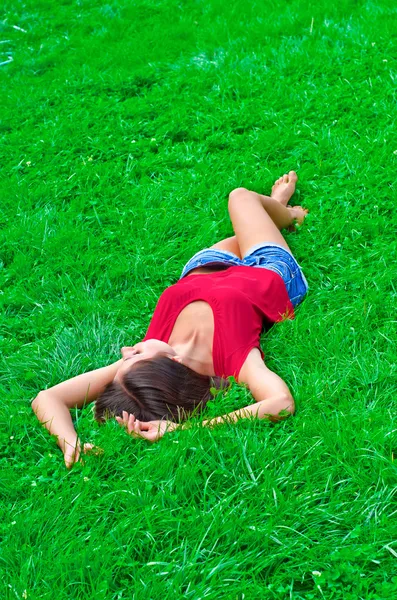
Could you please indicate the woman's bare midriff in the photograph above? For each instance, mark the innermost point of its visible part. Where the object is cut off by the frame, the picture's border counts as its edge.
(206, 270)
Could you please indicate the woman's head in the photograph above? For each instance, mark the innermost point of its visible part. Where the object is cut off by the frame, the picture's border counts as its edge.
(155, 387)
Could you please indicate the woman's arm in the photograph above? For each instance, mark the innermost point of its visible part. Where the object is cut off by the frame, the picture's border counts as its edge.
(263, 383)
(270, 392)
(275, 408)
(52, 406)
(270, 409)
(264, 409)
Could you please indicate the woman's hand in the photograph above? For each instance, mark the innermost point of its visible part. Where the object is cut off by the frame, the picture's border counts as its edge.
(72, 452)
(149, 430)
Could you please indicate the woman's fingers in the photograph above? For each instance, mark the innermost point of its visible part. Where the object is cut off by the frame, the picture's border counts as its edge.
(91, 449)
(123, 420)
(130, 423)
(133, 426)
(138, 428)
(149, 430)
(71, 454)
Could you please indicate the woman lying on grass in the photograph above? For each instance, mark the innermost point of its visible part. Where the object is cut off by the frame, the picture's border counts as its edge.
(206, 327)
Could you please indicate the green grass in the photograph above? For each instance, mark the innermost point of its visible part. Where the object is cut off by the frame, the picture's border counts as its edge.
(123, 128)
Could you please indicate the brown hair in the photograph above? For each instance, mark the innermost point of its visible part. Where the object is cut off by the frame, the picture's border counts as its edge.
(157, 388)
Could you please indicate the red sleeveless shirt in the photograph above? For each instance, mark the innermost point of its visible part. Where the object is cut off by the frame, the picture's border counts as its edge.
(245, 301)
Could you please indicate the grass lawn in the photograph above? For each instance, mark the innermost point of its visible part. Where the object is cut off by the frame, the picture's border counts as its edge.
(124, 126)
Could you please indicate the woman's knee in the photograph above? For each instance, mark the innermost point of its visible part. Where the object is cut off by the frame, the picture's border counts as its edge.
(237, 192)
(236, 195)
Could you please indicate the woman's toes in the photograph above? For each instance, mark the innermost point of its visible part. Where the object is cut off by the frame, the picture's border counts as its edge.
(292, 176)
(285, 178)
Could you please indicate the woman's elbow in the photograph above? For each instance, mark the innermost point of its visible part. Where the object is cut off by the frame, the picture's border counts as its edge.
(286, 406)
(290, 404)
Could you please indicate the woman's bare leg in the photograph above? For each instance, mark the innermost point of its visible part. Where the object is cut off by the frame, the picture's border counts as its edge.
(253, 225)
(229, 244)
(275, 206)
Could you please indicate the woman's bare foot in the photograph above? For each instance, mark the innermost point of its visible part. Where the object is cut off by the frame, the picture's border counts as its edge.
(298, 213)
(282, 191)
(284, 188)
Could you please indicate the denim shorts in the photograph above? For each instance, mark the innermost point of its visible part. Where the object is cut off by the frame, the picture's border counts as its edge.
(267, 256)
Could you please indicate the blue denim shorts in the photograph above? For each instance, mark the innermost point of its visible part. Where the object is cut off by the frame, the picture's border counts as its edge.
(267, 256)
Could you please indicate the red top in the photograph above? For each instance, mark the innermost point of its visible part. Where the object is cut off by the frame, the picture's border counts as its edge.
(244, 302)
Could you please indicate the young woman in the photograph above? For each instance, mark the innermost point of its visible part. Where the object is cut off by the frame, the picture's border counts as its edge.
(205, 328)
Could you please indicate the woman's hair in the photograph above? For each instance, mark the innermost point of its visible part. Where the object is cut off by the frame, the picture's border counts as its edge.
(157, 388)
